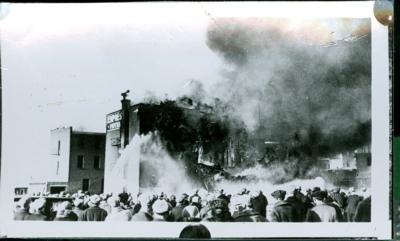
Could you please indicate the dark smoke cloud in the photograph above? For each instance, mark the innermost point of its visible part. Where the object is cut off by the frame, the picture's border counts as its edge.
(298, 86)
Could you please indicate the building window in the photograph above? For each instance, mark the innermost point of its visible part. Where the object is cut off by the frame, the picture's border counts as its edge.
(85, 184)
(96, 162)
(81, 162)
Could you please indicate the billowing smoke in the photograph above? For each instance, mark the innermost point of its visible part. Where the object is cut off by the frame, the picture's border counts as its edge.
(159, 172)
(297, 85)
(292, 92)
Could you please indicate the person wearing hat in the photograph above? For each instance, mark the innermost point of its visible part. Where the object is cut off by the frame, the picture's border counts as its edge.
(177, 211)
(321, 212)
(352, 202)
(94, 212)
(219, 211)
(172, 200)
(259, 203)
(141, 212)
(223, 196)
(246, 213)
(205, 208)
(299, 208)
(191, 211)
(282, 210)
(117, 213)
(161, 210)
(78, 207)
(64, 212)
(195, 194)
(22, 208)
(36, 210)
(337, 202)
(363, 211)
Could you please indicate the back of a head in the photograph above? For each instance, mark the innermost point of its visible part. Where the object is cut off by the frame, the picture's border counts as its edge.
(94, 200)
(113, 201)
(24, 202)
(78, 202)
(37, 205)
(196, 231)
(64, 208)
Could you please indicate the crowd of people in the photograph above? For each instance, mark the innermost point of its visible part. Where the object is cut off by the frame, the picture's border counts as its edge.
(313, 205)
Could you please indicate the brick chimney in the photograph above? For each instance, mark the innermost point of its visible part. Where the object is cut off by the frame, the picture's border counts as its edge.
(124, 130)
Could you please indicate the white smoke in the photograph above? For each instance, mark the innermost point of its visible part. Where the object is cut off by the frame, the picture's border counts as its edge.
(158, 168)
(260, 179)
(145, 161)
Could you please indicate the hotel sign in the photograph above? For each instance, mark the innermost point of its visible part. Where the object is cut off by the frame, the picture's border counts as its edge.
(113, 121)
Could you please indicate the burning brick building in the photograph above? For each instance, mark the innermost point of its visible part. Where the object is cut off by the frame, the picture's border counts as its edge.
(189, 131)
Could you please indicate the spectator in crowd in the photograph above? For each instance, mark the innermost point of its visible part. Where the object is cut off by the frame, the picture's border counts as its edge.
(352, 202)
(172, 200)
(197, 231)
(299, 208)
(340, 201)
(124, 197)
(243, 206)
(177, 212)
(36, 210)
(161, 210)
(22, 208)
(205, 208)
(78, 207)
(191, 211)
(259, 203)
(94, 212)
(142, 213)
(65, 213)
(363, 211)
(223, 196)
(246, 212)
(282, 210)
(321, 212)
(195, 194)
(117, 213)
(331, 201)
(219, 211)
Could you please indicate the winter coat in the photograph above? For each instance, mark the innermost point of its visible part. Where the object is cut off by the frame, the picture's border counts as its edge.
(282, 212)
(119, 214)
(93, 214)
(177, 213)
(322, 213)
(299, 209)
(259, 204)
(363, 211)
(20, 214)
(36, 217)
(352, 203)
(141, 216)
(248, 216)
(71, 216)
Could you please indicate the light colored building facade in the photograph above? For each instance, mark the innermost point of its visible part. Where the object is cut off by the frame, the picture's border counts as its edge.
(77, 161)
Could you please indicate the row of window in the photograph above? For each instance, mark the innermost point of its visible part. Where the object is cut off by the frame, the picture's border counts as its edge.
(81, 162)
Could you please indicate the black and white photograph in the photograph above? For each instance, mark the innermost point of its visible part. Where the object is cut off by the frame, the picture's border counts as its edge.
(194, 120)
